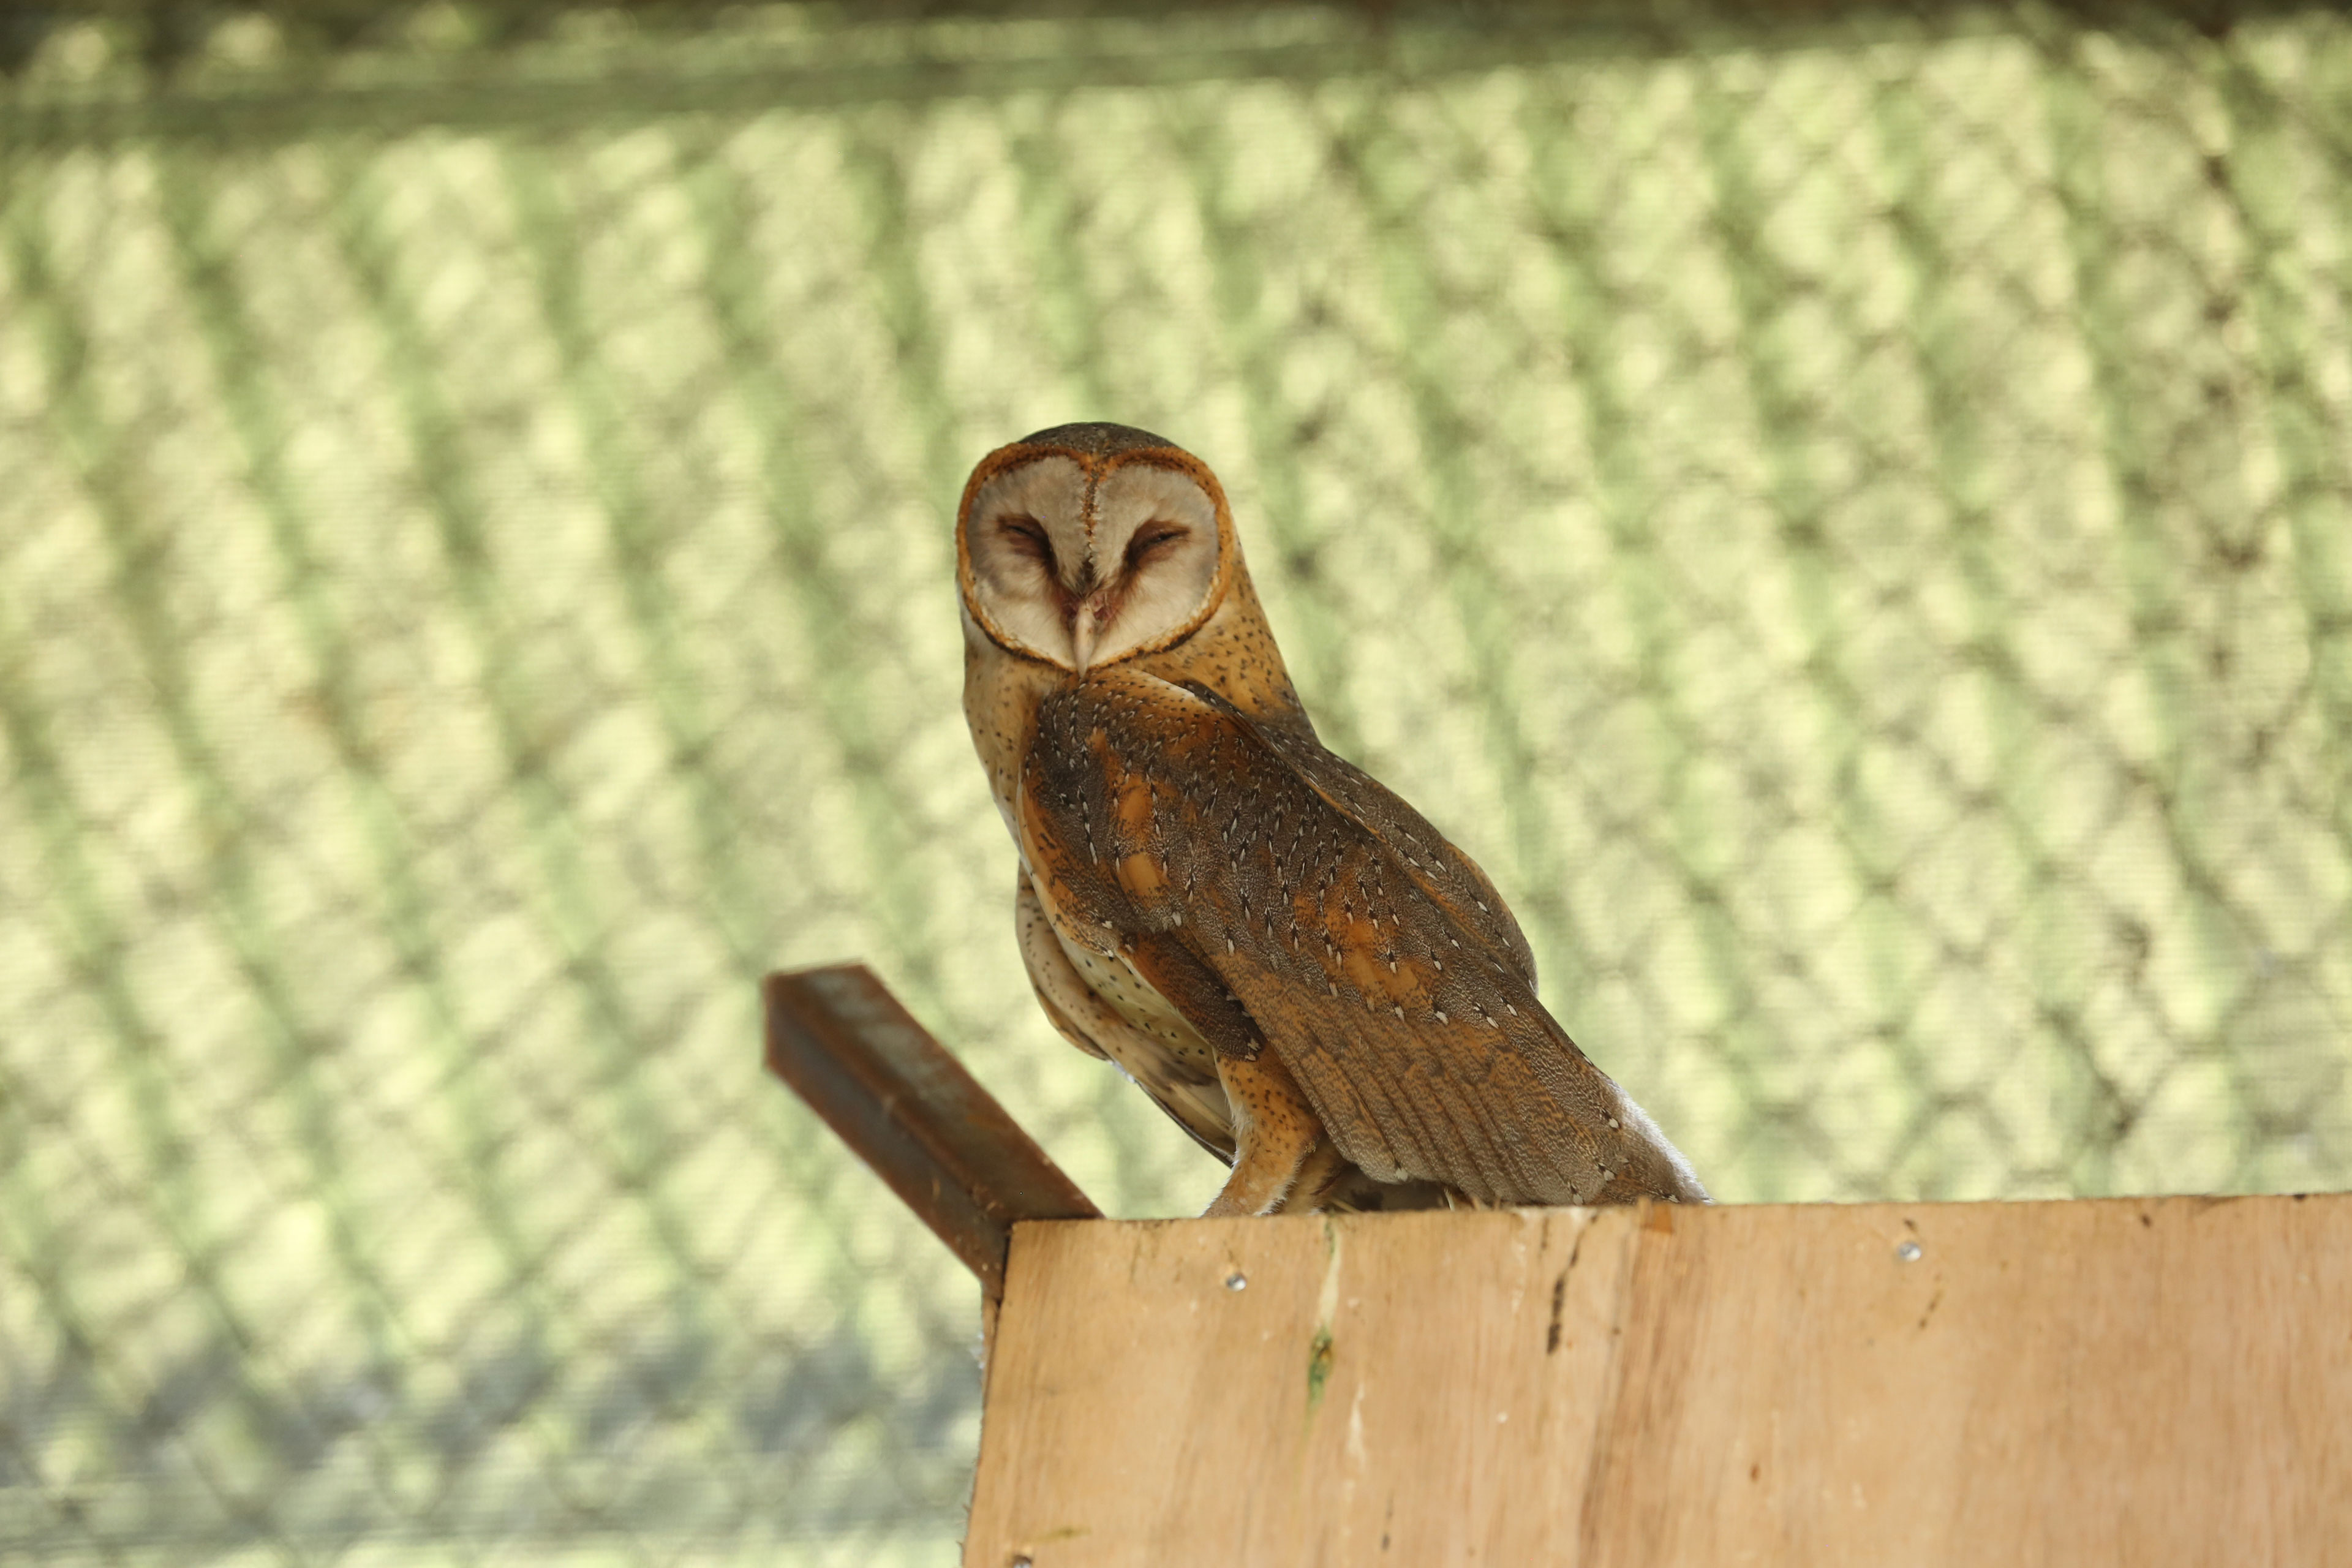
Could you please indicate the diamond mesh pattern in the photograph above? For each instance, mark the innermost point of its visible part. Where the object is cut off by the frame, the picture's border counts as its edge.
(1844, 515)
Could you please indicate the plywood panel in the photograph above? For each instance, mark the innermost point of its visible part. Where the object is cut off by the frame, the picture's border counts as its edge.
(2152, 1382)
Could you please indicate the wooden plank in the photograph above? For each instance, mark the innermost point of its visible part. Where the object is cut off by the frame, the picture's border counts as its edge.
(912, 1112)
(2160, 1381)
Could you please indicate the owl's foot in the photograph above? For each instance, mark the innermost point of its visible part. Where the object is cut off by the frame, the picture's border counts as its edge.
(1321, 1174)
(1275, 1133)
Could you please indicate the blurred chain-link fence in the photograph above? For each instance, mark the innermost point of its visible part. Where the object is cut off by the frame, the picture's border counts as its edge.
(1843, 510)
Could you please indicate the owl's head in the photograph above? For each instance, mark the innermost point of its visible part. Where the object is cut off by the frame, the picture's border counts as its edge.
(1086, 544)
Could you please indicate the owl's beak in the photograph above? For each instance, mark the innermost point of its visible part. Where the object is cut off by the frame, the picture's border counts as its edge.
(1086, 627)
(1091, 605)
(1095, 606)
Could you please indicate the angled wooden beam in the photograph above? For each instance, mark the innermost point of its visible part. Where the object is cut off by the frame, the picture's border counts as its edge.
(911, 1111)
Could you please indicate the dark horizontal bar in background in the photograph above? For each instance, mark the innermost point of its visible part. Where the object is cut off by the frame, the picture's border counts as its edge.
(911, 1111)
(478, 89)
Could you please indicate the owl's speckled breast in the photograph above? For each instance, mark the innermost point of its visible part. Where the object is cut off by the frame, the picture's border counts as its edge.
(1128, 994)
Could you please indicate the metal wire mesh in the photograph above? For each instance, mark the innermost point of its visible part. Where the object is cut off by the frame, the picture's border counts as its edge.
(1843, 512)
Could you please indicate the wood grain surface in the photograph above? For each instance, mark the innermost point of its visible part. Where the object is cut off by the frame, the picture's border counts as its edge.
(2143, 1381)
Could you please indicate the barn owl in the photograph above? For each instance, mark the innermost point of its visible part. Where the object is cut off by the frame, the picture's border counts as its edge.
(1296, 966)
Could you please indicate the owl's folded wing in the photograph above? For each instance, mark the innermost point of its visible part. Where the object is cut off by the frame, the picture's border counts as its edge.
(1169, 827)
(1182, 1081)
(1430, 859)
